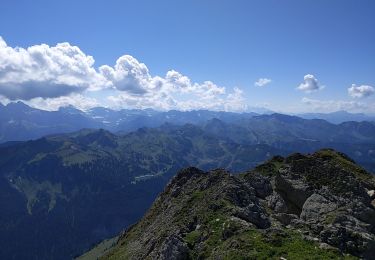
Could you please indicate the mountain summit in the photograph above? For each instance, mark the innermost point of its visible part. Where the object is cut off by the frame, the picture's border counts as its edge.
(315, 206)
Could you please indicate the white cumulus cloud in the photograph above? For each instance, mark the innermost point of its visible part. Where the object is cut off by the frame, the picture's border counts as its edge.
(360, 91)
(128, 75)
(262, 82)
(44, 71)
(309, 84)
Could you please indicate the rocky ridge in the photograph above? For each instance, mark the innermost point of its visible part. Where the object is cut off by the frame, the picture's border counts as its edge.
(315, 206)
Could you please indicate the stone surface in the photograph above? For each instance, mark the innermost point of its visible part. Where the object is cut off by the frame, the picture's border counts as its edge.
(293, 190)
(316, 206)
(173, 248)
(285, 218)
(254, 214)
(277, 203)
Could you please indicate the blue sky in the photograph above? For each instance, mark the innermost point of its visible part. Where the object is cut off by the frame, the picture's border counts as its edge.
(229, 43)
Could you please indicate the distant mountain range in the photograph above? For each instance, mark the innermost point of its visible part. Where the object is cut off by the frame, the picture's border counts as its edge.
(339, 116)
(19, 122)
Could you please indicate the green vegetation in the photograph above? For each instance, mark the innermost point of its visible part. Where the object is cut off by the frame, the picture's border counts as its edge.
(32, 190)
(99, 249)
(193, 237)
(344, 162)
(37, 158)
(224, 236)
(270, 167)
(290, 245)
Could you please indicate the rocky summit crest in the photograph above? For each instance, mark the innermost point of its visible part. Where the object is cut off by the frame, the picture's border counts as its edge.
(314, 206)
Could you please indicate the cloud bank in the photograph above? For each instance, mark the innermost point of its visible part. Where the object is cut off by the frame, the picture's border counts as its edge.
(334, 105)
(52, 76)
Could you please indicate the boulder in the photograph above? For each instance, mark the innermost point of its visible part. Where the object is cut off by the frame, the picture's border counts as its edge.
(316, 206)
